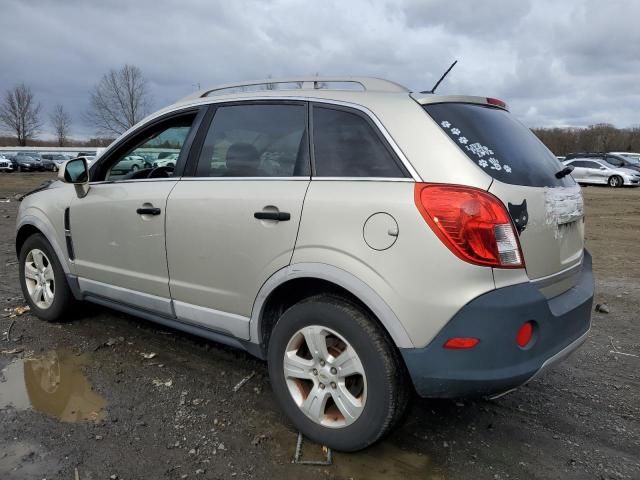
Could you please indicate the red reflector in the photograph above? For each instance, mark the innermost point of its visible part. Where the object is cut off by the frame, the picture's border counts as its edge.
(497, 102)
(460, 343)
(472, 223)
(524, 335)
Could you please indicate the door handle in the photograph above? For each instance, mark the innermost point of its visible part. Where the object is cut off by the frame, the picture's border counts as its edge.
(148, 211)
(278, 216)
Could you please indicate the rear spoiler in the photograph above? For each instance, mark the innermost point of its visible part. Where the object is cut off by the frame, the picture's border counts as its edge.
(427, 99)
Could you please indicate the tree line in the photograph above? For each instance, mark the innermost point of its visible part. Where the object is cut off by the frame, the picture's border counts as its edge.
(119, 101)
(602, 137)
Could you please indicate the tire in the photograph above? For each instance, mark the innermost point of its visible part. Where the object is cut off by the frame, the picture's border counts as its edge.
(615, 181)
(62, 299)
(381, 393)
(135, 167)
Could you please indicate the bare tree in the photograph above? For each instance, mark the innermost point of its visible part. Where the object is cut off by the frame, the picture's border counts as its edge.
(20, 113)
(119, 101)
(61, 124)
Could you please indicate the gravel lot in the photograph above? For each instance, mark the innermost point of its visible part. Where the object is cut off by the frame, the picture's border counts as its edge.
(90, 396)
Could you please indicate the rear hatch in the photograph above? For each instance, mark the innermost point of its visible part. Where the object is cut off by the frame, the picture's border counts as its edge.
(547, 211)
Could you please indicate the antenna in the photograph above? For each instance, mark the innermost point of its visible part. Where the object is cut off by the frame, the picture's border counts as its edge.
(433, 90)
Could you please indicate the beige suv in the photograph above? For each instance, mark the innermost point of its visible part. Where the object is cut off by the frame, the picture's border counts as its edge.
(361, 238)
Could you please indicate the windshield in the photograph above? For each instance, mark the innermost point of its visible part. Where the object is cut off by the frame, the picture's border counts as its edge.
(631, 158)
(499, 144)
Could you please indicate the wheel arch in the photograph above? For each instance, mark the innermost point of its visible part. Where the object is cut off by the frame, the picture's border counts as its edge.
(291, 284)
(31, 224)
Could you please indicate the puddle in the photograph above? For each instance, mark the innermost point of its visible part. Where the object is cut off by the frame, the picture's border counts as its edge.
(53, 384)
(385, 461)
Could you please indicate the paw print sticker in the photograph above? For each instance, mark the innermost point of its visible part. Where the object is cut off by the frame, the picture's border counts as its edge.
(507, 168)
(483, 163)
(463, 140)
(445, 124)
(455, 131)
(495, 164)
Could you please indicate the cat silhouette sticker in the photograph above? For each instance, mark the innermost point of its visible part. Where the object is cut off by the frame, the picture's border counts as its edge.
(519, 215)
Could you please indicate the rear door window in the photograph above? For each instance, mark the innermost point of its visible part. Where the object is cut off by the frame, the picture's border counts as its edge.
(256, 140)
(499, 144)
(346, 145)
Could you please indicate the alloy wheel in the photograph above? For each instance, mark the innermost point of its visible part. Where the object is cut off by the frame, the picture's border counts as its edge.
(39, 278)
(325, 376)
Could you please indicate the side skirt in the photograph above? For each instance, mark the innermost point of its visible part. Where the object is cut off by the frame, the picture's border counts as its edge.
(170, 322)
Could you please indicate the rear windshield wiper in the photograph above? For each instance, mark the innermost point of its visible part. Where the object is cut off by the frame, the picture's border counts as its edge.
(565, 171)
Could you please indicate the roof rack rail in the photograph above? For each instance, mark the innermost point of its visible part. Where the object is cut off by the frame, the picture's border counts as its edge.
(303, 83)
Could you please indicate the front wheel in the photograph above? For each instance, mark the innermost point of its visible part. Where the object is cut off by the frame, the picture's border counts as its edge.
(615, 181)
(336, 374)
(44, 284)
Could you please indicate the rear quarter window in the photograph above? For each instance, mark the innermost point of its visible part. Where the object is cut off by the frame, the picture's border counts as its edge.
(499, 144)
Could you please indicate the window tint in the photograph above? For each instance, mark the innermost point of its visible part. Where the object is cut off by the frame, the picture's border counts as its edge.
(579, 163)
(346, 145)
(256, 141)
(495, 141)
(141, 161)
(615, 161)
(589, 164)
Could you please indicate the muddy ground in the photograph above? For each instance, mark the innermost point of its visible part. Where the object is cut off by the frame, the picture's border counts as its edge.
(81, 395)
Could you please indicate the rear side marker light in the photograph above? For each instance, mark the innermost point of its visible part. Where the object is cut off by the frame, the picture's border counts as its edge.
(461, 343)
(524, 335)
(472, 223)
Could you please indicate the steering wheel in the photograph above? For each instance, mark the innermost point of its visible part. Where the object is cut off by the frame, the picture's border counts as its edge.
(161, 172)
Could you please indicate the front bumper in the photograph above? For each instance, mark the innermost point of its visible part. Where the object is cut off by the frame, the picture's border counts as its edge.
(497, 364)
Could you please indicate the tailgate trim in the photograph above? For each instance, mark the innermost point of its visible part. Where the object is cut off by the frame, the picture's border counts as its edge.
(558, 276)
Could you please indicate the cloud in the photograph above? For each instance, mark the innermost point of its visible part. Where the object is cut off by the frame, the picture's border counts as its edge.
(555, 63)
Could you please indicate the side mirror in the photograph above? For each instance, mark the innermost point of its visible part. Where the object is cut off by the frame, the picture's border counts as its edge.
(603, 168)
(76, 172)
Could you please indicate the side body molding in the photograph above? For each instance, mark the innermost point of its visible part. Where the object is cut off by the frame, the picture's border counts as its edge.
(339, 277)
(41, 222)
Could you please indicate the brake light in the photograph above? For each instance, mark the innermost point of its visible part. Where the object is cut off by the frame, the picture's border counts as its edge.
(472, 223)
(497, 102)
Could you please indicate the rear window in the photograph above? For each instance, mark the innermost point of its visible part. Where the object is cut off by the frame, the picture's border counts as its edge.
(495, 141)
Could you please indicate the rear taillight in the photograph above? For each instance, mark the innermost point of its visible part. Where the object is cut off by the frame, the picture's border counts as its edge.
(472, 223)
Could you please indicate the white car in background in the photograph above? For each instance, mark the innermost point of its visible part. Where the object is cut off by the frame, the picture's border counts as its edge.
(598, 172)
(168, 161)
(6, 165)
(633, 157)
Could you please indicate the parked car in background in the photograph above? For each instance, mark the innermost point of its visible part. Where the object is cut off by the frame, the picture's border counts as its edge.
(26, 163)
(6, 164)
(29, 161)
(399, 274)
(596, 171)
(56, 158)
(130, 163)
(611, 158)
(166, 161)
(48, 165)
(561, 157)
(632, 156)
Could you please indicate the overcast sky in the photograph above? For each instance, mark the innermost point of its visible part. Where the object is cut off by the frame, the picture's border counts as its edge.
(575, 62)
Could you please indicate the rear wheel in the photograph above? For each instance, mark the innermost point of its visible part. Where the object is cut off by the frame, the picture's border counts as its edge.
(335, 373)
(44, 284)
(615, 181)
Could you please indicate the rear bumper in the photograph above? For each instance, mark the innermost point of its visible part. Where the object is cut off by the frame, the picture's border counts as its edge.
(497, 364)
